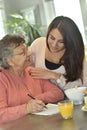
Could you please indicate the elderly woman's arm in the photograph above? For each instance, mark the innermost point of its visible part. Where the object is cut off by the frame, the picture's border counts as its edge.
(51, 93)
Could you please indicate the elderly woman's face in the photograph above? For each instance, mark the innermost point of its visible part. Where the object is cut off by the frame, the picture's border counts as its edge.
(21, 55)
(55, 41)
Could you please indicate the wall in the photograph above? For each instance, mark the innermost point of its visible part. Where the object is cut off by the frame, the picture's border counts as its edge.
(83, 4)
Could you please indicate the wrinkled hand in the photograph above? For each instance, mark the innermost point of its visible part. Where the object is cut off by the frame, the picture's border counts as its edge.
(35, 106)
(43, 74)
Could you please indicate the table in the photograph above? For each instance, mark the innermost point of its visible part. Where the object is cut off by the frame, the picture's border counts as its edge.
(52, 122)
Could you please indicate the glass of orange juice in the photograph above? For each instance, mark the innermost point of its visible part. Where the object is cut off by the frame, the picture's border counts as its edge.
(66, 108)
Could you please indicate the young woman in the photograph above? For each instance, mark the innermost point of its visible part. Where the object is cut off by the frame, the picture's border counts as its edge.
(59, 57)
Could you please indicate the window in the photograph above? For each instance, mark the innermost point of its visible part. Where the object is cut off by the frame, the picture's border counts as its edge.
(2, 31)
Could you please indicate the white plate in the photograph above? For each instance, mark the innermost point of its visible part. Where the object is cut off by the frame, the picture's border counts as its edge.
(83, 109)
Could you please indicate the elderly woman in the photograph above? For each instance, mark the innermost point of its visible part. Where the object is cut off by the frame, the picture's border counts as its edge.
(16, 82)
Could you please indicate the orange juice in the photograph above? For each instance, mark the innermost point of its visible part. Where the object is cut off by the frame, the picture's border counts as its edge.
(66, 109)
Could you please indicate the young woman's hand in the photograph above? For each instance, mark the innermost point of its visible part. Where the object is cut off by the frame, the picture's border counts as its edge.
(43, 74)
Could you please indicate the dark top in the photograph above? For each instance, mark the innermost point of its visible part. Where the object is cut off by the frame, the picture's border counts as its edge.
(51, 65)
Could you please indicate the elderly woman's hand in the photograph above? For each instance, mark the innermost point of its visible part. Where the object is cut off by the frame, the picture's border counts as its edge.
(35, 106)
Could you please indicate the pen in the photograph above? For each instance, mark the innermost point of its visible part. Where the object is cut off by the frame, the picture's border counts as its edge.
(31, 96)
(34, 98)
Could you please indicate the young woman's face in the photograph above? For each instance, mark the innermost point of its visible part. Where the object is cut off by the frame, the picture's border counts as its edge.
(55, 41)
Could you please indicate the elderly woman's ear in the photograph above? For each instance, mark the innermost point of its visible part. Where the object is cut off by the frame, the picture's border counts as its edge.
(10, 61)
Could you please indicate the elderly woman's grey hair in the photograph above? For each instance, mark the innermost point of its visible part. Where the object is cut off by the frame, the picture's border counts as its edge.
(7, 45)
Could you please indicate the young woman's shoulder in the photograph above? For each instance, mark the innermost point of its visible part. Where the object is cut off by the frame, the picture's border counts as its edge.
(39, 40)
(38, 43)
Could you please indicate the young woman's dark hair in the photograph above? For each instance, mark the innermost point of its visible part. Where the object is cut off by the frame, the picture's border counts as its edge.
(74, 46)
